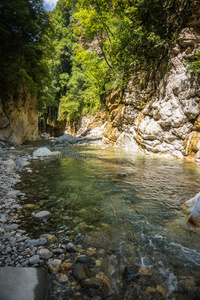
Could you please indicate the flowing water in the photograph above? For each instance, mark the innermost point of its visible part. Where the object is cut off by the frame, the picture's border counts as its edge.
(138, 218)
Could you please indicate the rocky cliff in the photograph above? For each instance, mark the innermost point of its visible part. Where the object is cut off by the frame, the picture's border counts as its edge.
(160, 113)
(20, 122)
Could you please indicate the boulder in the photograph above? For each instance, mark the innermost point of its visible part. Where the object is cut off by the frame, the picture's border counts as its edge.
(193, 206)
(67, 139)
(44, 152)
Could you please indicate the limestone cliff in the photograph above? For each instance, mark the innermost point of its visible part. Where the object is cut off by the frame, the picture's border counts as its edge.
(160, 113)
(20, 122)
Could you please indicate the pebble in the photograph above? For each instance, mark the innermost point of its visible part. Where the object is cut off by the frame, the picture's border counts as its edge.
(54, 265)
(11, 227)
(34, 259)
(43, 214)
(71, 247)
(45, 253)
(38, 242)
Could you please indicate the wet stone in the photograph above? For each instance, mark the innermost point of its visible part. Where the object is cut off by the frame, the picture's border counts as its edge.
(79, 272)
(87, 261)
(71, 247)
(131, 274)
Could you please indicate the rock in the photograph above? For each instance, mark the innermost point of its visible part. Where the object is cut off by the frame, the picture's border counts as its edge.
(51, 238)
(30, 206)
(11, 227)
(131, 274)
(45, 253)
(44, 152)
(79, 272)
(22, 162)
(2, 218)
(34, 260)
(87, 261)
(71, 247)
(99, 282)
(144, 271)
(67, 139)
(9, 163)
(54, 265)
(58, 250)
(121, 175)
(38, 242)
(43, 214)
(194, 208)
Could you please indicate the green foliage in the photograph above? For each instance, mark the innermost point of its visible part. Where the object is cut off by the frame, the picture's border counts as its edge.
(195, 64)
(23, 25)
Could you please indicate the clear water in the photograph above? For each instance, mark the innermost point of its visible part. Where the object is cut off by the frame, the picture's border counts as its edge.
(140, 216)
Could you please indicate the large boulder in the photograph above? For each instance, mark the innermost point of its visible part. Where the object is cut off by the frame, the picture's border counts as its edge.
(193, 206)
(44, 152)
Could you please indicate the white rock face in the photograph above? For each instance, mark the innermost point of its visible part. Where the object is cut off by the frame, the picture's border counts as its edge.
(44, 152)
(194, 208)
(163, 109)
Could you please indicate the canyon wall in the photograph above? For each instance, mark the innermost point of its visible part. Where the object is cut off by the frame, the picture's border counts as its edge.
(160, 113)
(19, 122)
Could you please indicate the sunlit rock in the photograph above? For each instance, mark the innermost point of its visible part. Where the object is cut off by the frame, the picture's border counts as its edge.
(44, 152)
(193, 206)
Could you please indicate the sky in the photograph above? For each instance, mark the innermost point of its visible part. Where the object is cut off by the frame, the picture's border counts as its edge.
(50, 4)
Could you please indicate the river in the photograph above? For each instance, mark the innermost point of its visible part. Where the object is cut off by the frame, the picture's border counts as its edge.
(129, 205)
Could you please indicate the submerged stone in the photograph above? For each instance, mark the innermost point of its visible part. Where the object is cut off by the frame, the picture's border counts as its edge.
(79, 272)
(71, 247)
(99, 282)
(43, 214)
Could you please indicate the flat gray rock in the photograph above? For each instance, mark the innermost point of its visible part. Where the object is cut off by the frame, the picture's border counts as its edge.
(23, 284)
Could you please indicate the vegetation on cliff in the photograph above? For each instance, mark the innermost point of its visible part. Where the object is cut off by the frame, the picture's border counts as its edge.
(77, 54)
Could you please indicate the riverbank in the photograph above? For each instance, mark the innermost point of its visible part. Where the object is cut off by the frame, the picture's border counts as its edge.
(68, 264)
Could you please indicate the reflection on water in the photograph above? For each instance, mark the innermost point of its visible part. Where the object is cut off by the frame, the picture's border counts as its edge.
(139, 216)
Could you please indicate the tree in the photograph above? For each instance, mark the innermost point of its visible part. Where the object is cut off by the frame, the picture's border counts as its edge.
(23, 25)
